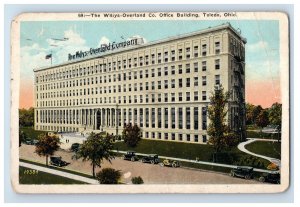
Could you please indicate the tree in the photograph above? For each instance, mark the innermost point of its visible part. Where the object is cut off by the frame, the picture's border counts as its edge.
(26, 117)
(275, 116)
(262, 119)
(249, 113)
(220, 135)
(96, 148)
(22, 137)
(131, 135)
(108, 176)
(47, 145)
(256, 112)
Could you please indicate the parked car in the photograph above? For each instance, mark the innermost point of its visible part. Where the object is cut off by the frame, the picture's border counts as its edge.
(31, 141)
(130, 155)
(57, 161)
(75, 147)
(272, 177)
(169, 163)
(153, 159)
(242, 172)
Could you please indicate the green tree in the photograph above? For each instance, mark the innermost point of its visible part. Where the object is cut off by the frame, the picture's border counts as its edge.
(108, 176)
(275, 116)
(96, 148)
(256, 111)
(22, 137)
(26, 117)
(47, 145)
(262, 119)
(249, 113)
(220, 135)
(131, 135)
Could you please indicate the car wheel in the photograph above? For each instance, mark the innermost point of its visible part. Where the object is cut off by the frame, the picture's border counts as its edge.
(152, 162)
(247, 177)
(123, 157)
(231, 174)
(132, 159)
(143, 161)
(161, 164)
(174, 165)
(261, 179)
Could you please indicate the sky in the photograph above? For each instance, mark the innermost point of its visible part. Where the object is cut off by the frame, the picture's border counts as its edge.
(262, 48)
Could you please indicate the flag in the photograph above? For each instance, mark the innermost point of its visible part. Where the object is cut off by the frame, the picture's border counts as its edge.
(48, 56)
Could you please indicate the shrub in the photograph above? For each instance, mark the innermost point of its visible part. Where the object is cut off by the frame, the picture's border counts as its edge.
(108, 176)
(252, 161)
(137, 180)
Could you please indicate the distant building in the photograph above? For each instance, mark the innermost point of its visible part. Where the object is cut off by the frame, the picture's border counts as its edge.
(162, 86)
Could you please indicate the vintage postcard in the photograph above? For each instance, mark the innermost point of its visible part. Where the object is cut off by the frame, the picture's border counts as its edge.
(141, 102)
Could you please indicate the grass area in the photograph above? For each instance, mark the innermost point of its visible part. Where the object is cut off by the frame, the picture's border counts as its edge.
(261, 135)
(270, 149)
(186, 151)
(31, 133)
(29, 176)
(58, 168)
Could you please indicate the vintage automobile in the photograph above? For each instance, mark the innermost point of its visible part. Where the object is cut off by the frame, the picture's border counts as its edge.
(57, 161)
(242, 172)
(75, 147)
(153, 159)
(130, 155)
(31, 141)
(272, 177)
(169, 163)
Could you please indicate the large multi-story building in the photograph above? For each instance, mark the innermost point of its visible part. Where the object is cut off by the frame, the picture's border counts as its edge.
(162, 86)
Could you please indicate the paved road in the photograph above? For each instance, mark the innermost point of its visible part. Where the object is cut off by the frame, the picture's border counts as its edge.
(59, 173)
(242, 145)
(151, 174)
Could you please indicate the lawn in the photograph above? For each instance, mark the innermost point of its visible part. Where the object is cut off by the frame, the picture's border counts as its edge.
(27, 176)
(261, 135)
(270, 149)
(185, 151)
(58, 168)
(31, 133)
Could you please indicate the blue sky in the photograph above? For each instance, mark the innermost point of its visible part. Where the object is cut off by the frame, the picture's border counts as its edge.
(262, 48)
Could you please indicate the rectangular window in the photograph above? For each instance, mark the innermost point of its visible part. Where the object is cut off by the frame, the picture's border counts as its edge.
(166, 71)
(166, 84)
(158, 72)
(173, 97)
(195, 67)
(152, 73)
(188, 117)
(204, 118)
(188, 96)
(203, 65)
(188, 68)
(180, 96)
(173, 83)
(166, 118)
(180, 118)
(180, 83)
(203, 80)
(196, 96)
(204, 95)
(195, 51)
(196, 118)
(173, 70)
(196, 138)
(195, 81)
(217, 48)
(179, 69)
(217, 80)
(159, 84)
(217, 64)
(188, 82)
(173, 117)
(204, 47)
(166, 98)
(159, 117)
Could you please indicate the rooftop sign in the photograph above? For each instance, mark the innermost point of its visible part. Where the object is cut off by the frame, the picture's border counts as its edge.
(104, 48)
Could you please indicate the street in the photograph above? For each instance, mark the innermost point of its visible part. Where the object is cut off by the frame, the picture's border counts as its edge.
(151, 174)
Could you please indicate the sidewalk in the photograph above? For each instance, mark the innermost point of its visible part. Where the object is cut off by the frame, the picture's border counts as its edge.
(59, 173)
(242, 145)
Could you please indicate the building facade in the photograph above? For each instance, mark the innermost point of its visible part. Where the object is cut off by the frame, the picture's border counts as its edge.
(161, 86)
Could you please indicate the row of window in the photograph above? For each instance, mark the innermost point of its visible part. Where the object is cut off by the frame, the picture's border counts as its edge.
(147, 98)
(112, 66)
(154, 118)
(129, 87)
(165, 136)
(127, 76)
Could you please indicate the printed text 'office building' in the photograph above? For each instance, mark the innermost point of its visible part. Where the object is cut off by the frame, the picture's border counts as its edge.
(162, 86)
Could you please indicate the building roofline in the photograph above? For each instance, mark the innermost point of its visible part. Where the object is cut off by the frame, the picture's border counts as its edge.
(181, 36)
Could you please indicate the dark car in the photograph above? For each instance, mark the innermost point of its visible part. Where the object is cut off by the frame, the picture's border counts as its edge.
(31, 141)
(75, 147)
(130, 155)
(153, 159)
(242, 172)
(57, 161)
(272, 177)
(169, 163)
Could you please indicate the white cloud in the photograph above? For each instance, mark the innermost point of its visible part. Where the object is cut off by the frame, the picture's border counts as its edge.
(103, 40)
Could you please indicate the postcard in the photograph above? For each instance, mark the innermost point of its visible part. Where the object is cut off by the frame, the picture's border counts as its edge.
(150, 102)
